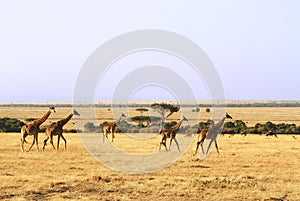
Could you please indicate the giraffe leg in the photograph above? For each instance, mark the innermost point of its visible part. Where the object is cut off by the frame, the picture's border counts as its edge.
(202, 148)
(22, 142)
(160, 146)
(177, 144)
(201, 143)
(209, 146)
(45, 142)
(23, 136)
(58, 138)
(22, 145)
(51, 141)
(112, 136)
(37, 143)
(171, 139)
(65, 141)
(217, 146)
(198, 143)
(163, 142)
(31, 144)
(104, 134)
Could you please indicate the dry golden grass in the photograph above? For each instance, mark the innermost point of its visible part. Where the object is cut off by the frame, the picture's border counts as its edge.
(248, 168)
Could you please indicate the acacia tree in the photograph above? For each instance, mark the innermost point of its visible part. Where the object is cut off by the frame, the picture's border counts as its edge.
(142, 110)
(142, 120)
(165, 110)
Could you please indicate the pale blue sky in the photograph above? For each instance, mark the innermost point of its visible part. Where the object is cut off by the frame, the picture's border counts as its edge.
(254, 44)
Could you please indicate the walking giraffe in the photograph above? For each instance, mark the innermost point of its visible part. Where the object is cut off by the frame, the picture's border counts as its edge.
(111, 127)
(33, 129)
(211, 133)
(57, 129)
(171, 133)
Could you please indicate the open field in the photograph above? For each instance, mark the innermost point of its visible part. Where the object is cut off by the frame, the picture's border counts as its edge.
(248, 168)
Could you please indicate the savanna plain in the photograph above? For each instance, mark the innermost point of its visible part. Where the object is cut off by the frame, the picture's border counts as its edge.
(252, 167)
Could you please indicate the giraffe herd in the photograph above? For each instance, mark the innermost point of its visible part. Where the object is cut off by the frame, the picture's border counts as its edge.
(56, 129)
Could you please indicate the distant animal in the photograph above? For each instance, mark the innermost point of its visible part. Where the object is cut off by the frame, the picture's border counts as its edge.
(244, 133)
(271, 133)
(294, 137)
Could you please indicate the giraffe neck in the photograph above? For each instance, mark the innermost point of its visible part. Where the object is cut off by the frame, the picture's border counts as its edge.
(177, 126)
(41, 120)
(218, 125)
(118, 120)
(64, 121)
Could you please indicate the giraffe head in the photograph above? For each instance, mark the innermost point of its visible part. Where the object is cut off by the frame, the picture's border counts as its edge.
(123, 115)
(228, 116)
(52, 108)
(76, 113)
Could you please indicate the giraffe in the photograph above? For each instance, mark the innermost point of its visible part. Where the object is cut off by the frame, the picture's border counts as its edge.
(33, 129)
(171, 133)
(111, 127)
(211, 133)
(57, 129)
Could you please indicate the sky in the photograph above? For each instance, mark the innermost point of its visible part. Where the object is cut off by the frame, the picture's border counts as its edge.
(254, 45)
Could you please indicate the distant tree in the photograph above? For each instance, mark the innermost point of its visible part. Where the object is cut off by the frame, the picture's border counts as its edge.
(239, 126)
(169, 124)
(142, 110)
(103, 124)
(165, 110)
(196, 110)
(144, 121)
(30, 119)
(229, 125)
(228, 128)
(205, 125)
(291, 129)
(269, 126)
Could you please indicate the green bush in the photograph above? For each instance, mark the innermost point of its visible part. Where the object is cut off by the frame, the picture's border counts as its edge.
(30, 119)
(89, 127)
(10, 125)
(170, 124)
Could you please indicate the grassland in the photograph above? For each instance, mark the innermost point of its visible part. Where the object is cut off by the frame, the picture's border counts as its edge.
(248, 168)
